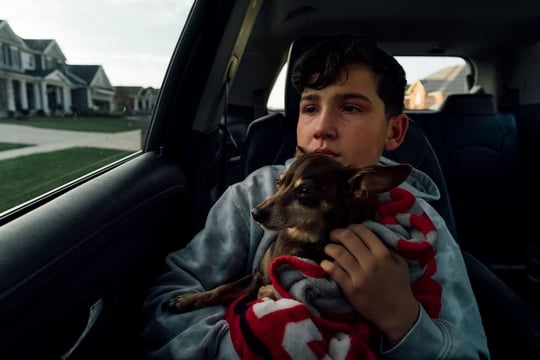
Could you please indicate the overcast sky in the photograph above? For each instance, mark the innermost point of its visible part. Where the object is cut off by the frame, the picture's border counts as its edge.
(132, 39)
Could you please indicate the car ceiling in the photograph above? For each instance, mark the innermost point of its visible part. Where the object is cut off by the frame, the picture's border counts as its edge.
(418, 27)
(404, 22)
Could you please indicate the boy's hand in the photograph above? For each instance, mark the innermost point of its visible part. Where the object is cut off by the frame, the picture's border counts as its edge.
(374, 279)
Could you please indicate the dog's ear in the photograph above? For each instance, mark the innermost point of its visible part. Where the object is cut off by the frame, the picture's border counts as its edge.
(377, 179)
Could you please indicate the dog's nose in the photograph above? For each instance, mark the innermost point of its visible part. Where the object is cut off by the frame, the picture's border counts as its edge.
(259, 215)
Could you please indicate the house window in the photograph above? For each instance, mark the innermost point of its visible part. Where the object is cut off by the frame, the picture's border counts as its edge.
(6, 54)
(31, 62)
(418, 99)
(16, 57)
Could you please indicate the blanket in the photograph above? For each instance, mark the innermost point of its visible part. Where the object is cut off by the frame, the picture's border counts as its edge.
(310, 318)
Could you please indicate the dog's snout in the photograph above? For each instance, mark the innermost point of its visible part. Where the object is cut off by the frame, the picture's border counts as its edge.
(259, 215)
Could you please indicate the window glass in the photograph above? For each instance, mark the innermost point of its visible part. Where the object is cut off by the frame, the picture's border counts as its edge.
(78, 83)
(430, 80)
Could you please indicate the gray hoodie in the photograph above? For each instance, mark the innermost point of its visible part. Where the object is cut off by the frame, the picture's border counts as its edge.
(232, 244)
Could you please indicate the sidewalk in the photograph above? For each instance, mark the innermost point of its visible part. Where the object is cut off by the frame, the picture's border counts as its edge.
(45, 140)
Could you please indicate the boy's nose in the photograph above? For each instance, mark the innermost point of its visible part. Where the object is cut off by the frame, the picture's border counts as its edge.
(325, 128)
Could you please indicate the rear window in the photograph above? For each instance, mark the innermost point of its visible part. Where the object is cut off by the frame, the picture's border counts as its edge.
(430, 79)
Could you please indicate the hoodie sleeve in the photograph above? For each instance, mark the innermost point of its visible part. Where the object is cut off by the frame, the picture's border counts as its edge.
(457, 333)
(224, 250)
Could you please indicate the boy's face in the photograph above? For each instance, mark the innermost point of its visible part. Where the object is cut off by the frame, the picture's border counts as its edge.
(346, 120)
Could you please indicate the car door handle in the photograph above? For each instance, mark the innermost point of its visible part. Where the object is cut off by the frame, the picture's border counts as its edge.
(94, 314)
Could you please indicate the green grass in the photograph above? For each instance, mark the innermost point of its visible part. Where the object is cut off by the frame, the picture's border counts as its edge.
(83, 123)
(26, 177)
(9, 146)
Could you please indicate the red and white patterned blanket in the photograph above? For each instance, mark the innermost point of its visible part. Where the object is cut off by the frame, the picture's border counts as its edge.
(311, 319)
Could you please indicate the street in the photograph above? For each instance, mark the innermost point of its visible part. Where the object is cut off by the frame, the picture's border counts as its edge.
(45, 140)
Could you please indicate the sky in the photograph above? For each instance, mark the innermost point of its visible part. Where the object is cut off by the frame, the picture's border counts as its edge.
(132, 39)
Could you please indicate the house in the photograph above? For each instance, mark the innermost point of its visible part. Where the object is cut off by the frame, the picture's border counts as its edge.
(134, 100)
(94, 92)
(35, 79)
(430, 92)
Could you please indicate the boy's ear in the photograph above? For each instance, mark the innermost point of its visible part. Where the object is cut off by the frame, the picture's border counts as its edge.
(299, 151)
(377, 179)
(396, 132)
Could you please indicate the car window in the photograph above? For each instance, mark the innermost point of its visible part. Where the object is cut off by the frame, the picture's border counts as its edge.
(76, 88)
(430, 79)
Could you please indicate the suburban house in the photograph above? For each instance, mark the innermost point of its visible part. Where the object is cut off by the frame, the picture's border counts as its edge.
(93, 90)
(35, 79)
(430, 92)
(132, 100)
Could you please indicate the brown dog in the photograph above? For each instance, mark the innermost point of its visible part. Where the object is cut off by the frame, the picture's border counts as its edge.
(314, 196)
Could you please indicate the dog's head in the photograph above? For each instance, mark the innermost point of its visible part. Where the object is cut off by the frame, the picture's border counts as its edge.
(316, 192)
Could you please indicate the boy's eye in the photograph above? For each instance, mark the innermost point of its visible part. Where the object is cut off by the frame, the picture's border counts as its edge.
(310, 109)
(350, 108)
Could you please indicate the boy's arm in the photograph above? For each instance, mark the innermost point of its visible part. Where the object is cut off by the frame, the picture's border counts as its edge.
(229, 246)
(457, 333)
(218, 254)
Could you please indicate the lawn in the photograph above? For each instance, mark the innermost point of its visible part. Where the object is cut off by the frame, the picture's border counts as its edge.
(9, 146)
(26, 177)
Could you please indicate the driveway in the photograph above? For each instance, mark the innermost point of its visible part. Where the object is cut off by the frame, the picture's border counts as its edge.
(45, 140)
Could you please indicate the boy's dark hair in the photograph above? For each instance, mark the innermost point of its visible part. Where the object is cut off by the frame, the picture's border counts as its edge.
(332, 55)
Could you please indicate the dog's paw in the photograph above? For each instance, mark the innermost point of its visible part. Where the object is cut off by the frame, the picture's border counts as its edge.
(266, 291)
(182, 303)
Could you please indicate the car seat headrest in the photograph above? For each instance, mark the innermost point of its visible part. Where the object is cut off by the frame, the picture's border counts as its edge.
(292, 97)
(469, 104)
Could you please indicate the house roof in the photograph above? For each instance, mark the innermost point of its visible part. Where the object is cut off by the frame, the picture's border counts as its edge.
(450, 80)
(75, 79)
(129, 90)
(135, 91)
(8, 35)
(38, 44)
(46, 46)
(84, 72)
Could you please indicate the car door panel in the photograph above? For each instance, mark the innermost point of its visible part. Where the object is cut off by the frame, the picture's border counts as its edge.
(96, 245)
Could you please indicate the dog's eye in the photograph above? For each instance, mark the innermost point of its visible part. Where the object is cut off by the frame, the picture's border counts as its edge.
(278, 181)
(304, 190)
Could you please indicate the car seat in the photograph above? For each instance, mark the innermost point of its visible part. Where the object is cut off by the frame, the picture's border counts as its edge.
(479, 153)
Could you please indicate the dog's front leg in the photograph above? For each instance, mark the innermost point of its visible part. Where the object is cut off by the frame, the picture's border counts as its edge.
(221, 295)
